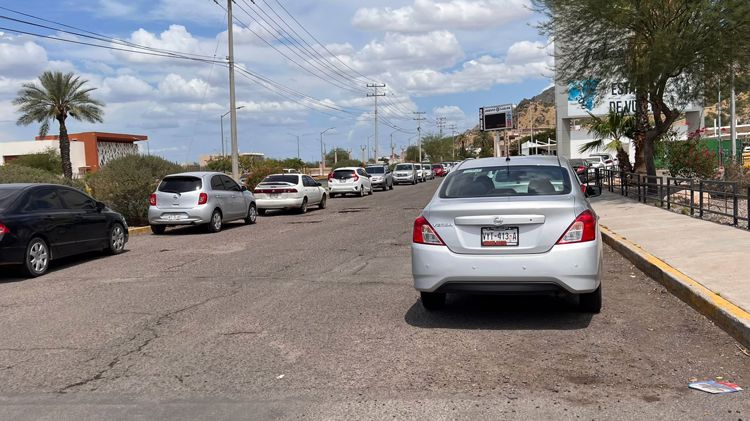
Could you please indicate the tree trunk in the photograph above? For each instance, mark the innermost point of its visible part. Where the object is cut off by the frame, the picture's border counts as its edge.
(641, 127)
(624, 160)
(67, 168)
(648, 155)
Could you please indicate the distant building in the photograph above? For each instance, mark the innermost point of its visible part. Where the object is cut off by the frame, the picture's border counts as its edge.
(89, 151)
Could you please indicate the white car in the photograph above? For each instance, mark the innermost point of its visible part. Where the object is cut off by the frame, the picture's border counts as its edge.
(607, 157)
(420, 173)
(349, 180)
(599, 161)
(427, 169)
(289, 191)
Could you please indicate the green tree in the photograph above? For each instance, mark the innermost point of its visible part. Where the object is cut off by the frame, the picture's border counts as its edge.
(220, 164)
(59, 96)
(49, 161)
(336, 154)
(485, 143)
(437, 149)
(668, 51)
(412, 153)
(609, 132)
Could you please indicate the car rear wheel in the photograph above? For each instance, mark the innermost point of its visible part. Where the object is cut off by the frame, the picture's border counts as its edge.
(362, 191)
(116, 239)
(252, 214)
(303, 208)
(432, 300)
(37, 258)
(370, 191)
(158, 229)
(214, 225)
(591, 302)
(322, 204)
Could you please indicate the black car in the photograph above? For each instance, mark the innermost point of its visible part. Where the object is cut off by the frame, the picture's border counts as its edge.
(41, 222)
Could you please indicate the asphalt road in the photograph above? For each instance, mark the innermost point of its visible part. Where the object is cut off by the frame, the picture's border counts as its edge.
(313, 316)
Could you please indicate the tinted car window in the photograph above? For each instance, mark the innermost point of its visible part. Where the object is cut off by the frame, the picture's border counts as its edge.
(293, 179)
(343, 174)
(515, 180)
(361, 172)
(7, 197)
(42, 199)
(436, 166)
(376, 170)
(180, 184)
(230, 184)
(404, 167)
(216, 183)
(76, 200)
(309, 182)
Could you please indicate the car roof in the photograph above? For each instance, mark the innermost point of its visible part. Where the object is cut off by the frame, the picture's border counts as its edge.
(514, 160)
(347, 168)
(199, 174)
(22, 186)
(286, 174)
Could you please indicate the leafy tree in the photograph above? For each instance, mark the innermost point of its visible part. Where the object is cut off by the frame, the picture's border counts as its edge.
(220, 164)
(412, 153)
(668, 51)
(295, 163)
(336, 154)
(437, 149)
(486, 144)
(49, 161)
(59, 96)
(347, 163)
(611, 129)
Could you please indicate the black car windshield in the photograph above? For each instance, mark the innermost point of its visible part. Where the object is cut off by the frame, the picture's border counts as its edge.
(7, 196)
(512, 180)
(281, 178)
(375, 170)
(180, 184)
(343, 174)
(404, 167)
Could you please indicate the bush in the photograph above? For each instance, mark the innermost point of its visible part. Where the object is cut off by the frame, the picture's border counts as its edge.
(690, 159)
(261, 170)
(124, 184)
(21, 174)
(49, 161)
(347, 163)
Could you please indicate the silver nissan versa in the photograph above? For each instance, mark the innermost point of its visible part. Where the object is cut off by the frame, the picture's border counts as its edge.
(516, 225)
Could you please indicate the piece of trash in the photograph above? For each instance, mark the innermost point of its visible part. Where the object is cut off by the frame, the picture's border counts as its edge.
(715, 387)
(281, 376)
(743, 350)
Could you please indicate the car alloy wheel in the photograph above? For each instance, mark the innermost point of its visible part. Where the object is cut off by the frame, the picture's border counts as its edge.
(362, 191)
(37, 257)
(322, 204)
(215, 224)
(303, 208)
(252, 214)
(117, 239)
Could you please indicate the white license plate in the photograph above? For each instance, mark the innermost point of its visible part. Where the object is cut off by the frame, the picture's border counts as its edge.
(173, 217)
(275, 195)
(499, 236)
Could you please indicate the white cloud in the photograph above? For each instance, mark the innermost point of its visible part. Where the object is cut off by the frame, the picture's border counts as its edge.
(428, 15)
(124, 88)
(23, 59)
(176, 38)
(452, 113)
(114, 8)
(177, 88)
(528, 52)
(400, 51)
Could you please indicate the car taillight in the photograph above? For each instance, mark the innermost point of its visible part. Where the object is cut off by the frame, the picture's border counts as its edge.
(424, 233)
(4, 229)
(356, 177)
(583, 188)
(152, 199)
(330, 176)
(202, 199)
(287, 191)
(581, 230)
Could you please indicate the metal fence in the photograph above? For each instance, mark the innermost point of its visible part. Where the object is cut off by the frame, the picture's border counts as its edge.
(715, 200)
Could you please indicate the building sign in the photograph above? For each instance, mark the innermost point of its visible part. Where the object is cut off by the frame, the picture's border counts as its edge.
(586, 97)
(496, 117)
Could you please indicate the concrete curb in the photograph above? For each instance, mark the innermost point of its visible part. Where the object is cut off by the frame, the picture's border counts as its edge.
(139, 230)
(729, 317)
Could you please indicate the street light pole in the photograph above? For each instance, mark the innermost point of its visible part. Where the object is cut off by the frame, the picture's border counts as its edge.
(322, 153)
(223, 155)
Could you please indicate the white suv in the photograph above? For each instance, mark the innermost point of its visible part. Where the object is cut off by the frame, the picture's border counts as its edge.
(349, 180)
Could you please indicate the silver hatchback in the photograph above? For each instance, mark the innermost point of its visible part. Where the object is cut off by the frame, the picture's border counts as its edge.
(517, 225)
(197, 198)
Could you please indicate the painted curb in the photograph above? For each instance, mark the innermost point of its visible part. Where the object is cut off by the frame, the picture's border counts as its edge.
(729, 317)
(139, 230)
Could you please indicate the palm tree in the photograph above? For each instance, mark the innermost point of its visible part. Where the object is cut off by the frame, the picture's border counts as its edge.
(60, 95)
(613, 128)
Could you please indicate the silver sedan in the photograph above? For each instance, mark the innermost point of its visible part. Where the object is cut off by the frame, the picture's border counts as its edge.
(517, 225)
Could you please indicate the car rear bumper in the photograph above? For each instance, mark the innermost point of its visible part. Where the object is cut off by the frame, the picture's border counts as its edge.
(289, 203)
(192, 216)
(10, 255)
(575, 268)
(343, 188)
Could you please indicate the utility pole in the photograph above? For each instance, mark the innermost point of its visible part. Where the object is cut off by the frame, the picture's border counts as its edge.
(733, 118)
(376, 95)
(419, 120)
(718, 109)
(440, 124)
(363, 148)
(232, 106)
(452, 128)
(322, 150)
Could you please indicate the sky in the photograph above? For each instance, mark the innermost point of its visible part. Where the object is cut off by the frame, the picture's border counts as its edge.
(303, 67)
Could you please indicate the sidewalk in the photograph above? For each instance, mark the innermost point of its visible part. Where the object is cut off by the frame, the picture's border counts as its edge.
(701, 262)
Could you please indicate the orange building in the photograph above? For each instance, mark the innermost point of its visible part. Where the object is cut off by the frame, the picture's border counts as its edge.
(100, 148)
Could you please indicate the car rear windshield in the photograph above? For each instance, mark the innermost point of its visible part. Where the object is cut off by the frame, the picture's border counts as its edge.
(512, 180)
(437, 166)
(343, 174)
(291, 179)
(7, 197)
(376, 170)
(577, 162)
(404, 167)
(180, 184)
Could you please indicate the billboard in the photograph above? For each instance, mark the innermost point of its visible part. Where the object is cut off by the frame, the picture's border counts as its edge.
(496, 117)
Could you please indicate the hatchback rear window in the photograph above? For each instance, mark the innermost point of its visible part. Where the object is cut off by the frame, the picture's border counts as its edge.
(436, 166)
(404, 167)
(7, 197)
(343, 174)
(375, 170)
(512, 180)
(180, 184)
(291, 179)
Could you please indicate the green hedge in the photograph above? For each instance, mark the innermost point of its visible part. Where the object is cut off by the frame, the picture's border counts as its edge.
(22, 174)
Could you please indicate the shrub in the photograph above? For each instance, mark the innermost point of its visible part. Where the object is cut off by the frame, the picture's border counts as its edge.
(124, 184)
(261, 170)
(690, 159)
(49, 161)
(21, 174)
(347, 163)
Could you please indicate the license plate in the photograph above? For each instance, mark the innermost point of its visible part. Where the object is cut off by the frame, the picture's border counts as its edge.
(172, 217)
(275, 195)
(499, 236)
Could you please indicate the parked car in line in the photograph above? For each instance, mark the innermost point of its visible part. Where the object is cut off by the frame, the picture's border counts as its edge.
(438, 170)
(199, 198)
(289, 191)
(405, 174)
(44, 222)
(420, 173)
(427, 170)
(518, 226)
(382, 177)
(607, 157)
(580, 166)
(599, 161)
(348, 180)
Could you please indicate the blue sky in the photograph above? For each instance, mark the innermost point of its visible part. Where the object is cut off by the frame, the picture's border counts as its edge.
(444, 57)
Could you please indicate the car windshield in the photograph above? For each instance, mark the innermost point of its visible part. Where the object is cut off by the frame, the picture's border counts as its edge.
(437, 166)
(593, 160)
(343, 174)
(7, 196)
(512, 180)
(404, 167)
(180, 184)
(375, 170)
(279, 178)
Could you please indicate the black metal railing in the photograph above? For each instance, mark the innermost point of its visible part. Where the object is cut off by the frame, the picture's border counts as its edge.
(720, 201)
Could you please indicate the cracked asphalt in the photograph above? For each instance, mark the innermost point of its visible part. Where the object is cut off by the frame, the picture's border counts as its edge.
(313, 316)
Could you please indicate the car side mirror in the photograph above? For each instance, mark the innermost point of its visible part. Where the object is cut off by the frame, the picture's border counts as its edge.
(593, 191)
(243, 188)
(317, 183)
(100, 206)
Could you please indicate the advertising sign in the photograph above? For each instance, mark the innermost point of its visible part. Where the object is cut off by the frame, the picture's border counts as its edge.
(496, 117)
